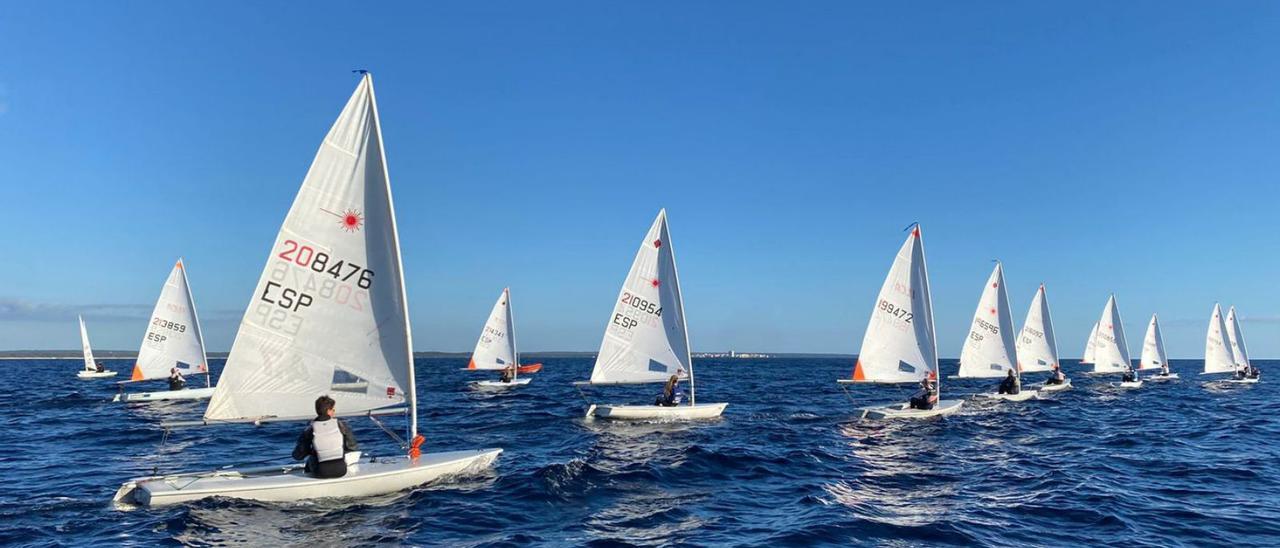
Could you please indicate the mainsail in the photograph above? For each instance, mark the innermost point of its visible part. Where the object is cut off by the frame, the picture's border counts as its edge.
(1238, 350)
(1153, 356)
(1218, 357)
(1088, 345)
(89, 364)
(1111, 351)
(990, 348)
(1037, 345)
(496, 348)
(329, 313)
(899, 345)
(173, 338)
(646, 339)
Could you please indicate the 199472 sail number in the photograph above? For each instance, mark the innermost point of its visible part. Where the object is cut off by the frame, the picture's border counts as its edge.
(895, 311)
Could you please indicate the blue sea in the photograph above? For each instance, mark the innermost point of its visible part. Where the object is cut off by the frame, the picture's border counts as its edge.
(789, 464)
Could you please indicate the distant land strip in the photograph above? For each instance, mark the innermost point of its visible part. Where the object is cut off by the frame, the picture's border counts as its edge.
(131, 354)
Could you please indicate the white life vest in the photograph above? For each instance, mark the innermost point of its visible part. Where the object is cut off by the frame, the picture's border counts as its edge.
(326, 439)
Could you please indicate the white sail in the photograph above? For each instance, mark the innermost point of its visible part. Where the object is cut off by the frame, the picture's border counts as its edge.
(173, 337)
(496, 348)
(328, 315)
(646, 339)
(1218, 357)
(89, 364)
(1238, 350)
(990, 348)
(1037, 345)
(1111, 351)
(899, 345)
(1153, 356)
(1088, 345)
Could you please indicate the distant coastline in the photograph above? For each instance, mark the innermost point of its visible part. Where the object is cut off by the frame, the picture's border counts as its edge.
(130, 354)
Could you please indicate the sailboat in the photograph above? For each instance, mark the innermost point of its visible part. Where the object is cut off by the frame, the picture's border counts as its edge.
(1218, 356)
(1238, 349)
(900, 345)
(173, 341)
(1111, 349)
(90, 370)
(990, 350)
(329, 316)
(1088, 346)
(496, 349)
(646, 339)
(1037, 344)
(1153, 355)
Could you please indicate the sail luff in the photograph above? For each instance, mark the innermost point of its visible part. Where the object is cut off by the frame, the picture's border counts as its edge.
(511, 329)
(399, 263)
(684, 320)
(195, 315)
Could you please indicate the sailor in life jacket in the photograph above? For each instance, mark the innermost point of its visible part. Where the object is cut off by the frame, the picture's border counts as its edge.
(325, 442)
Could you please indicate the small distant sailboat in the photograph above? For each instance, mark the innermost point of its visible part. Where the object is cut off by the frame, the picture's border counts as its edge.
(496, 348)
(329, 316)
(900, 345)
(1238, 349)
(173, 341)
(1111, 350)
(646, 339)
(1088, 346)
(90, 370)
(990, 350)
(1037, 344)
(1153, 355)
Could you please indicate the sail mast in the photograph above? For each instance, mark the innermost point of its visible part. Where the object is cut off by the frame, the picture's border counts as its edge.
(400, 264)
(675, 272)
(511, 332)
(191, 301)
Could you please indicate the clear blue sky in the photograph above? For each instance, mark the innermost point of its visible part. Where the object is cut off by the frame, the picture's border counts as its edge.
(1127, 147)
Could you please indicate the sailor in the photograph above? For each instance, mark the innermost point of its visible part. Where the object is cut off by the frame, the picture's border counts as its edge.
(1164, 369)
(669, 397)
(325, 442)
(1242, 373)
(1010, 384)
(1129, 376)
(508, 374)
(1056, 377)
(99, 367)
(927, 396)
(176, 382)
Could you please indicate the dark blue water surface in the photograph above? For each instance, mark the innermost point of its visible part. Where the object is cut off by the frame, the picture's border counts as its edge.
(1176, 464)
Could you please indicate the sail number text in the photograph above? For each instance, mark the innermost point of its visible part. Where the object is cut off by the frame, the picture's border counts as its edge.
(895, 310)
(626, 318)
(318, 261)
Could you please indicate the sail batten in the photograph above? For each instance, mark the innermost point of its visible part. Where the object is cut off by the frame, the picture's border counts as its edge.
(899, 345)
(1037, 346)
(646, 337)
(990, 348)
(329, 314)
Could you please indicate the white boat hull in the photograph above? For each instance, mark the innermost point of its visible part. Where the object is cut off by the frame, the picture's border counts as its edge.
(1241, 381)
(290, 483)
(657, 412)
(95, 374)
(1131, 384)
(499, 385)
(1065, 385)
(185, 394)
(1022, 395)
(1158, 378)
(904, 411)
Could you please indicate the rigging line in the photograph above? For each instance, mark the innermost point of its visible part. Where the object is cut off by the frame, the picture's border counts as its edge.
(393, 435)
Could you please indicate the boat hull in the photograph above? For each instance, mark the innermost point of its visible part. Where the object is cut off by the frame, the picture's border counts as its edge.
(904, 411)
(290, 483)
(531, 368)
(1133, 384)
(657, 412)
(1158, 378)
(1022, 395)
(499, 385)
(1066, 385)
(1241, 381)
(95, 374)
(185, 394)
